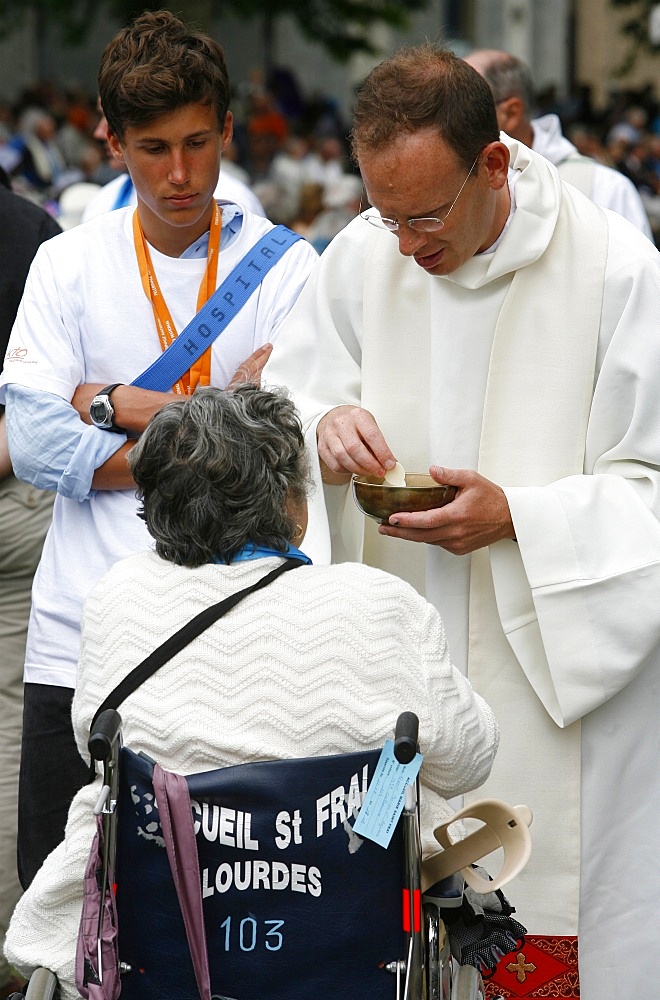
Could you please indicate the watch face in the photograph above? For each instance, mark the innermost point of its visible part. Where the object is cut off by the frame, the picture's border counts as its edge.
(101, 411)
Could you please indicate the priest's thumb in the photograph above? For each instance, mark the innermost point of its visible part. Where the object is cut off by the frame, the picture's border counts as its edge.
(442, 476)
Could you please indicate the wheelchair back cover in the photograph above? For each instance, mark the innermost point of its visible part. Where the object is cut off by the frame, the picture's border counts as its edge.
(296, 905)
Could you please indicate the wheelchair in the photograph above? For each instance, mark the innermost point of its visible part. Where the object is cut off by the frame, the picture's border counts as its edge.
(293, 904)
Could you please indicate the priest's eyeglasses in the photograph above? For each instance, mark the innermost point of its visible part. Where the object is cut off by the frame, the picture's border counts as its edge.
(424, 225)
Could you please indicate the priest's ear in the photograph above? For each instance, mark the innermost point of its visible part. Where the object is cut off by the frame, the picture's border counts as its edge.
(495, 162)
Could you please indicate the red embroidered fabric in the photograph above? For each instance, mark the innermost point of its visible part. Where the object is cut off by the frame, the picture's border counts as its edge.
(544, 967)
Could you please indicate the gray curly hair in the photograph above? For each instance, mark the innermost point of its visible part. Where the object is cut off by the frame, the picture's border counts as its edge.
(214, 472)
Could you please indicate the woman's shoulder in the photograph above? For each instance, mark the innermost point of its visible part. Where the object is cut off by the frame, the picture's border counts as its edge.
(143, 568)
(361, 571)
(374, 584)
(359, 604)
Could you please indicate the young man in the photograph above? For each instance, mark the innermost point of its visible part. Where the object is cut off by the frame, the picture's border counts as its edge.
(504, 332)
(101, 302)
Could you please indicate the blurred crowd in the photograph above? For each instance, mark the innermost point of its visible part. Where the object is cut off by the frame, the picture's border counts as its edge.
(625, 135)
(291, 149)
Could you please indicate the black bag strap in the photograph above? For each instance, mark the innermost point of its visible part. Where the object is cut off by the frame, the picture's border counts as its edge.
(185, 635)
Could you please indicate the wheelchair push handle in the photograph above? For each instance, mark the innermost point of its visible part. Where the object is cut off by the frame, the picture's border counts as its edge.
(104, 735)
(405, 737)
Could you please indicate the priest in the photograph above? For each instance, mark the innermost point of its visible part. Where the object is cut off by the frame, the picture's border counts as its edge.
(486, 322)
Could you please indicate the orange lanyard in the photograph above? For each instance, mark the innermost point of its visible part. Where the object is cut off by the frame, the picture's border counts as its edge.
(200, 371)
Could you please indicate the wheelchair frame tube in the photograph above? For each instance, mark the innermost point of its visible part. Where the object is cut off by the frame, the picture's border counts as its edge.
(104, 745)
(405, 748)
(412, 896)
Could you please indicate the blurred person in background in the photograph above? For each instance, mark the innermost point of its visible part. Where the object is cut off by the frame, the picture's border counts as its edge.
(341, 203)
(25, 514)
(42, 162)
(511, 82)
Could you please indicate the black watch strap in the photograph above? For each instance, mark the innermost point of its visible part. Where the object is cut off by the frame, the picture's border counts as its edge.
(109, 388)
(106, 392)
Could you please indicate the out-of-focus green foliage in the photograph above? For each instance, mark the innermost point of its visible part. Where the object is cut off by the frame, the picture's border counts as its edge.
(340, 26)
(72, 17)
(635, 28)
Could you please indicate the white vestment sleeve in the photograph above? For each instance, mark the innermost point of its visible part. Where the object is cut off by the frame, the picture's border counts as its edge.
(317, 357)
(590, 544)
(318, 352)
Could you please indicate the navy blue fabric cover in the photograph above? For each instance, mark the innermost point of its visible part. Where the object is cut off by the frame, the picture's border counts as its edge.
(324, 916)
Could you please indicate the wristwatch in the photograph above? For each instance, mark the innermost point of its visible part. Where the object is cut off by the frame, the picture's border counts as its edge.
(102, 412)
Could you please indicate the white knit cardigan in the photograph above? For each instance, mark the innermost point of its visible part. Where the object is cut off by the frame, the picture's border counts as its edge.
(320, 662)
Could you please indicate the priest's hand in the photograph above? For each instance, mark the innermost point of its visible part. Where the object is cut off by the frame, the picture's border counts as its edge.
(478, 516)
(350, 441)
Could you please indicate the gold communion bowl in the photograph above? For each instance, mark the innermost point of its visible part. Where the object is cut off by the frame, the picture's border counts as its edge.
(378, 499)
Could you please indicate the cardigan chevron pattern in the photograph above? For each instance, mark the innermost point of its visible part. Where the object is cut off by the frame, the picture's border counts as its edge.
(321, 661)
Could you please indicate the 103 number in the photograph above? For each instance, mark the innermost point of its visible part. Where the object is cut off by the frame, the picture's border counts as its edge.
(246, 934)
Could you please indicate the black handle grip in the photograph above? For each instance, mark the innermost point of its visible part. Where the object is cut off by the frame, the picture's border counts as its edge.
(405, 737)
(104, 734)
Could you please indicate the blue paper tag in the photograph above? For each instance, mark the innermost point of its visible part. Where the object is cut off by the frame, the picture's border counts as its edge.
(383, 803)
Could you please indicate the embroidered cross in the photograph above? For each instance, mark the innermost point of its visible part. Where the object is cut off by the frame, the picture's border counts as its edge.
(521, 967)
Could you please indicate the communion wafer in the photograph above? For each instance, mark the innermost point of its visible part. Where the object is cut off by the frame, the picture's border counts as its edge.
(396, 476)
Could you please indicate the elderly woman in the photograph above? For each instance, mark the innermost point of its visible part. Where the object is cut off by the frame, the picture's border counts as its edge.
(319, 662)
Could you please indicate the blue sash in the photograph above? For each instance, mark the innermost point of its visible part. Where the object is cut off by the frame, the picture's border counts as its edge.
(225, 303)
